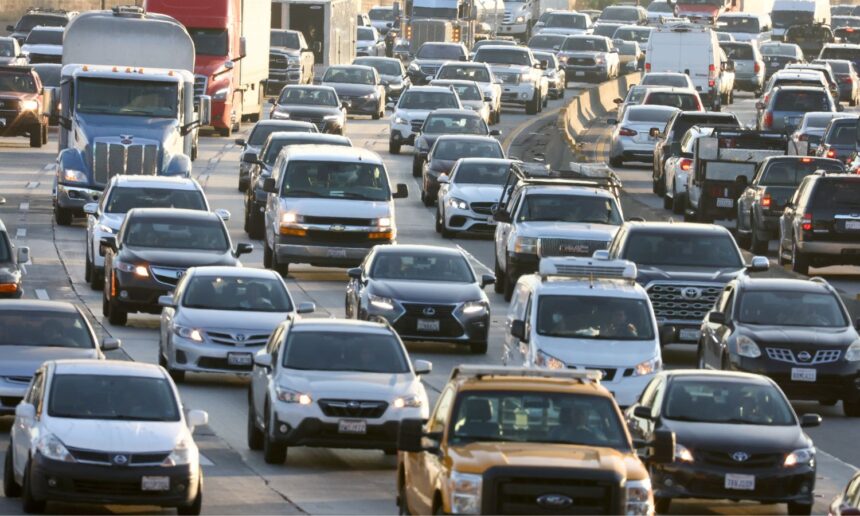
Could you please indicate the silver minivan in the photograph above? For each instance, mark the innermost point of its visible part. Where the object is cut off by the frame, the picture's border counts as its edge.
(749, 65)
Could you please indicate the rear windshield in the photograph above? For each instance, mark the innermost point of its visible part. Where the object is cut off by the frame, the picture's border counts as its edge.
(49, 74)
(660, 7)
(620, 13)
(464, 73)
(779, 50)
(740, 24)
(837, 194)
(682, 249)
(381, 14)
(785, 19)
(553, 41)
(275, 146)
(586, 44)
(481, 173)
(124, 199)
(366, 34)
(666, 79)
(683, 123)
(682, 101)
(38, 328)
(851, 54)
(840, 66)
(344, 351)
(510, 56)
(660, 116)
(801, 101)
(261, 132)
(45, 37)
(428, 100)
(738, 51)
(842, 134)
(382, 67)
(631, 34)
(791, 172)
(567, 21)
(452, 150)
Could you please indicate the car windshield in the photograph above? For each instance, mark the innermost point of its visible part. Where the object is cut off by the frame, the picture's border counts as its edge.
(745, 25)
(842, 134)
(345, 351)
(817, 120)
(569, 208)
(648, 114)
(837, 194)
(381, 14)
(5, 248)
(464, 73)
(605, 29)
(585, 45)
(620, 13)
(124, 199)
(428, 100)
(234, 293)
(285, 39)
(738, 51)
(594, 317)
(791, 172)
(336, 180)
(777, 49)
(481, 173)
(366, 34)
(790, 308)
(468, 92)
(802, 101)
(7, 48)
(308, 97)
(844, 21)
(673, 80)
(112, 397)
(550, 41)
(28, 21)
(682, 101)
(730, 402)
(49, 74)
(452, 52)
(567, 21)
(682, 250)
(382, 66)
(445, 13)
(210, 42)
(176, 233)
(454, 124)
(151, 99)
(261, 132)
(850, 54)
(452, 150)
(785, 19)
(17, 82)
(345, 75)
(44, 329)
(503, 56)
(452, 268)
(276, 145)
(632, 34)
(537, 417)
(44, 37)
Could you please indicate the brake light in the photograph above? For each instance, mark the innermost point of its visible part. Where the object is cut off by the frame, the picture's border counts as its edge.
(766, 201)
(807, 222)
(685, 164)
(768, 120)
(756, 67)
(712, 72)
(624, 131)
(847, 79)
(711, 83)
(805, 160)
(831, 153)
(647, 67)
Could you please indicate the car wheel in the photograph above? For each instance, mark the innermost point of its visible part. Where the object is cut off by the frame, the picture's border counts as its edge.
(799, 508)
(426, 199)
(532, 106)
(273, 452)
(851, 408)
(799, 261)
(616, 162)
(256, 227)
(757, 246)
(267, 255)
(478, 348)
(561, 93)
(281, 268)
(88, 266)
(117, 316)
(546, 101)
(725, 362)
(63, 216)
(668, 202)
(499, 114)
(780, 254)
(255, 435)
(36, 137)
(416, 167)
(29, 503)
(11, 489)
(700, 357)
(197, 505)
(446, 233)
(499, 285)
(402, 506)
(226, 131)
(510, 282)
(393, 147)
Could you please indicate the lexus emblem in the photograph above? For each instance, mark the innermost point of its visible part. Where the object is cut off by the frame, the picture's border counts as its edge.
(691, 293)
(429, 311)
(804, 356)
(740, 456)
(337, 227)
(554, 501)
(120, 460)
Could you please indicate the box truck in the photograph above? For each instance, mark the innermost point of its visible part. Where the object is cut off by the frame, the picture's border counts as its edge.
(329, 27)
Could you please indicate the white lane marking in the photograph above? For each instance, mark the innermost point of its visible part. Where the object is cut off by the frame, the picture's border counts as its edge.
(23, 269)
(32, 184)
(472, 257)
(24, 206)
(42, 294)
(21, 233)
(204, 461)
(49, 166)
(837, 459)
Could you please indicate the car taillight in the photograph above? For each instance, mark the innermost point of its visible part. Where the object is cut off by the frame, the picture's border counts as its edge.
(847, 79)
(685, 164)
(756, 67)
(624, 131)
(831, 153)
(711, 83)
(647, 67)
(807, 222)
(766, 201)
(805, 160)
(712, 73)
(768, 120)
(803, 138)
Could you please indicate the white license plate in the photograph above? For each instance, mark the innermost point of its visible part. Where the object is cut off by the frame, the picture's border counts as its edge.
(352, 426)
(579, 74)
(336, 253)
(428, 325)
(740, 482)
(803, 374)
(155, 483)
(723, 202)
(852, 224)
(689, 335)
(239, 359)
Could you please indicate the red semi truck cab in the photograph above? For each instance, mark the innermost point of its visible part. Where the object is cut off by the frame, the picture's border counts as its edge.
(231, 40)
(705, 10)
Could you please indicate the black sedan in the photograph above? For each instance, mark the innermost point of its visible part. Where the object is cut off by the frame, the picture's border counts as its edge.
(797, 332)
(737, 438)
(151, 252)
(446, 121)
(445, 153)
(319, 105)
(426, 293)
(360, 87)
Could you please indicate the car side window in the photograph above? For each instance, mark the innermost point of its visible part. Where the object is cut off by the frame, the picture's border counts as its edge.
(650, 392)
(442, 411)
(729, 302)
(803, 185)
(805, 193)
(659, 394)
(515, 311)
(34, 393)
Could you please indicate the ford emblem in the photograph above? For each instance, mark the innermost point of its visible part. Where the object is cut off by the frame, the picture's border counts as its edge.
(120, 460)
(554, 501)
(740, 456)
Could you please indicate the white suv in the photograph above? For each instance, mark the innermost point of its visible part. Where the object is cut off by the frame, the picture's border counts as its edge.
(412, 109)
(468, 195)
(520, 74)
(586, 313)
(333, 383)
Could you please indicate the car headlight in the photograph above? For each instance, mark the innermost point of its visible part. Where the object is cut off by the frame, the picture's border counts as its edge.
(465, 489)
(647, 367)
(599, 60)
(330, 118)
(800, 457)
(852, 354)
(291, 217)
(51, 447)
(104, 229)
(525, 245)
(408, 401)
(291, 396)
(221, 94)
(185, 453)
(29, 105)
(639, 497)
(474, 307)
(460, 204)
(526, 77)
(562, 59)
(383, 222)
(520, 19)
(400, 120)
(383, 303)
(188, 333)
(747, 347)
(138, 270)
(71, 175)
(548, 361)
(369, 95)
(682, 454)
(280, 115)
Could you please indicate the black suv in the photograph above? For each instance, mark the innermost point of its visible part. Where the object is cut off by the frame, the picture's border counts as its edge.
(821, 223)
(797, 332)
(669, 140)
(762, 202)
(39, 16)
(839, 140)
(684, 268)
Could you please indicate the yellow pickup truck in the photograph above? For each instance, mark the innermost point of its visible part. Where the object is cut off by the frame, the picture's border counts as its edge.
(504, 440)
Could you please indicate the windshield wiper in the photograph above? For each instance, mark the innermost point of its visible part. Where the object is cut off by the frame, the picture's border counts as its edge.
(302, 193)
(354, 195)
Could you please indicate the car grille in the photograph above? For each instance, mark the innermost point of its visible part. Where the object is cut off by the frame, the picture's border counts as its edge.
(9, 105)
(111, 488)
(509, 17)
(343, 221)
(519, 492)
(570, 247)
(200, 83)
(424, 310)
(19, 379)
(168, 275)
(45, 58)
(580, 61)
(508, 78)
(353, 408)
(429, 70)
(416, 125)
(278, 61)
(109, 458)
(317, 121)
(753, 460)
(449, 326)
(338, 237)
(608, 373)
(821, 356)
(483, 208)
(111, 159)
(238, 338)
(687, 302)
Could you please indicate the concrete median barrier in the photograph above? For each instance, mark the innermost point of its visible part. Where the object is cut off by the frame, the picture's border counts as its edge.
(591, 104)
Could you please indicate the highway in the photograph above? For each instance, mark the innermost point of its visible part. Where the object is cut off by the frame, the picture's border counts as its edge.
(323, 481)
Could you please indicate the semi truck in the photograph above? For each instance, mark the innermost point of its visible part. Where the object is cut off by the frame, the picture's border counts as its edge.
(231, 42)
(459, 21)
(710, 10)
(329, 27)
(124, 111)
(521, 15)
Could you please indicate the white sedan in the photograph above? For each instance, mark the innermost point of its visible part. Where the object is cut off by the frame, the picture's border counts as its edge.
(468, 195)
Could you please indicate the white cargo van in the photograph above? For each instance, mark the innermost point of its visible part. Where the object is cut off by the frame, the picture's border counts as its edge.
(691, 49)
(797, 12)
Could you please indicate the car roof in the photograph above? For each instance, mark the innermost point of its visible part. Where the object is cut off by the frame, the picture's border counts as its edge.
(677, 227)
(817, 159)
(377, 58)
(306, 86)
(340, 325)
(707, 114)
(418, 248)
(739, 15)
(504, 47)
(852, 46)
(716, 375)
(107, 368)
(532, 384)
(787, 284)
(637, 27)
(281, 123)
(445, 82)
(332, 153)
(352, 66)
(649, 107)
(171, 213)
(233, 272)
(563, 189)
(167, 182)
(584, 287)
(798, 88)
(441, 44)
(669, 89)
(38, 305)
(468, 64)
(488, 161)
(431, 89)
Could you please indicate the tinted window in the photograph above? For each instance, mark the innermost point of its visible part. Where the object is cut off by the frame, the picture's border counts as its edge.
(779, 50)
(481, 173)
(336, 180)
(44, 329)
(671, 80)
(682, 249)
(28, 21)
(112, 397)
(434, 12)
(366, 34)
(682, 101)
(660, 116)
(5, 248)
(502, 56)
(841, 67)
(738, 51)
(592, 317)
(851, 54)
(637, 35)
(801, 101)
(45, 37)
(382, 66)
(348, 75)
(607, 30)
(124, 199)
(209, 42)
(203, 235)
(569, 208)
(684, 123)
(715, 401)
(344, 351)
(308, 97)
(275, 146)
(466, 73)
(567, 21)
(7, 48)
(127, 98)
(284, 39)
(842, 134)
(428, 100)
(452, 52)
(546, 41)
(660, 7)
(818, 120)
(737, 24)
(585, 44)
(620, 14)
(837, 194)
(236, 294)
(49, 74)
(792, 172)
(422, 267)
(261, 132)
(454, 124)
(453, 150)
(785, 19)
(381, 14)
(786, 308)
(18, 82)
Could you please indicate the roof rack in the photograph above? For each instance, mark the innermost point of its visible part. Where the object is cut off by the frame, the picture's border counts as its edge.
(597, 267)
(48, 10)
(594, 175)
(480, 371)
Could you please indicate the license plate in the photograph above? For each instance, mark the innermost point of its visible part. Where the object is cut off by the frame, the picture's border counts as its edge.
(336, 253)
(428, 325)
(852, 224)
(723, 202)
(579, 74)
(740, 482)
(803, 374)
(239, 359)
(155, 484)
(352, 426)
(689, 334)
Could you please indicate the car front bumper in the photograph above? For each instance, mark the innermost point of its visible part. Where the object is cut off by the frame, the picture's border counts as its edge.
(206, 357)
(135, 294)
(574, 72)
(324, 254)
(363, 105)
(402, 134)
(453, 324)
(518, 93)
(836, 380)
(467, 220)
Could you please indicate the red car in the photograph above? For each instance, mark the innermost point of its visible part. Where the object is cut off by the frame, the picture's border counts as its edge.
(23, 108)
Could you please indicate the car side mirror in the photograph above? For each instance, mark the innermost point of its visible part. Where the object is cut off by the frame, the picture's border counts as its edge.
(10, 28)
(518, 330)
(443, 179)
(111, 344)
(23, 255)
(488, 98)
(196, 418)
(502, 216)
(389, 106)
(91, 208)
(346, 104)
(663, 446)
(166, 301)
(422, 367)
(495, 132)
(223, 214)
(273, 100)
(409, 436)
(642, 412)
(354, 273)
(810, 420)
(402, 191)
(487, 279)
(204, 109)
(269, 185)
(25, 410)
(108, 242)
(618, 100)
(654, 132)
(716, 317)
(250, 158)
(306, 308)
(263, 360)
(544, 64)
(760, 105)
(240, 142)
(244, 248)
(758, 264)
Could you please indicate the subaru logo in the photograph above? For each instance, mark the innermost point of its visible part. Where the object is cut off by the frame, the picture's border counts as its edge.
(740, 456)
(337, 227)
(120, 460)
(429, 311)
(691, 293)
(240, 337)
(804, 356)
(554, 501)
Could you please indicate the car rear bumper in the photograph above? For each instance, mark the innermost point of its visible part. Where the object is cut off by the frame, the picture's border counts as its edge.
(849, 251)
(323, 255)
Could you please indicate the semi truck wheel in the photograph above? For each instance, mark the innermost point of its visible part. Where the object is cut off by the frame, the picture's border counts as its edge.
(533, 105)
(226, 131)
(36, 136)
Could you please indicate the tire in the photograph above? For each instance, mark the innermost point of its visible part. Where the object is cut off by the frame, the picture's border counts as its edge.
(267, 256)
(668, 202)
(757, 246)
(829, 403)
(105, 309)
(393, 147)
(478, 348)
(281, 268)
(116, 315)
(197, 505)
(446, 233)
(678, 204)
(402, 506)
(11, 489)
(725, 363)
(799, 261)
(36, 137)
(88, 266)
(253, 225)
(510, 283)
(97, 281)
(498, 286)
(273, 453)
(499, 114)
(30, 504)
(799, 508)
(851, 408)
(616, 162)
(852, 102)
(417, 167)
(426, 199)
(376, 116)
(661, 505)
(225, 132)
(743, 240)
(63, 216)
(44, 135)
(439, 223)
(780, 253)
(532, 106)
(255, 435)
(561, 93)
(700, 357)
(546, 101)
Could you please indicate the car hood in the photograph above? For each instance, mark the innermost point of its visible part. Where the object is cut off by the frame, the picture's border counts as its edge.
(351, 90)
(24, 360)
(49, 50)
(177, 257)
(598, 353)
(286, 51)
(337, 207)
(648, 273)
(117, 436)
(433, 292)
(412, 114)
(504, 68)
(9, 273)
(112, 220)
(732, 438)
(477, 193)
(309, 111)
(572, 230)
(348, 384)
(233, 320)
(804, 336)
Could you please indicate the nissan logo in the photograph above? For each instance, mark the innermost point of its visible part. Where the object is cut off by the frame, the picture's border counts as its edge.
(691, 293)
(804, 356)
(740, 456)
(120, 460)
(429, 311)
(554, 501)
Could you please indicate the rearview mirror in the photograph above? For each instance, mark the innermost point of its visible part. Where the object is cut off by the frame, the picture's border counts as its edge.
(91, 208)
(717, 318)
(354, 273)
(611, 121)
(111, 344)
(204, 110)
(642, 412)
(518, 330)
(273, 101)
(422, 367)
(402, 191)
(241, 141)
(495, 132)
(263, 360)
(443, 179)
(223, 214)
(409, 436)
(196, 418)
(502, 216)
(107, 243)
(618, 100)
(742, 181)
(487, 279)
(346, 104)
(488, 98)
(760, 105)
(664, 446)
(306, 308)
(759, 264)
(10, 28)
(23, 255)
(654, 132)
(250, 158)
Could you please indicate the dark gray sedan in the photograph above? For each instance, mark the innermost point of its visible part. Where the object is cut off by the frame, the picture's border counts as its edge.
(426, 293)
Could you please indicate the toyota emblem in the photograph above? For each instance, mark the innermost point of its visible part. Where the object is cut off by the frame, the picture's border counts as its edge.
(740, 456)
(120, 460)
(804, 356)
(691, 293)
(554, 501)
(240, 337)
(429, 311)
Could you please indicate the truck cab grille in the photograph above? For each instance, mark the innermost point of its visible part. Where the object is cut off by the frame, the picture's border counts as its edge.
(518, 490)
(111, 159)
(353, 408)
(570, 247)
(683, 302)
(200, 83)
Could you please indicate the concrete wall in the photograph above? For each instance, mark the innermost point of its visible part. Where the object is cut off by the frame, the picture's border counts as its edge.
(11, 10)
(592, 104)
